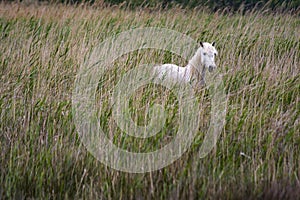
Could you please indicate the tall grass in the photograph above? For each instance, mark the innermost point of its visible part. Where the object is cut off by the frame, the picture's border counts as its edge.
(42, 47)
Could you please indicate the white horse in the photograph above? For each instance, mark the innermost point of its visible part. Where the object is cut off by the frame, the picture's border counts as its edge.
(194, 72)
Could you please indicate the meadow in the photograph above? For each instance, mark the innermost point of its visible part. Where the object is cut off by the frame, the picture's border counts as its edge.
(41, 156)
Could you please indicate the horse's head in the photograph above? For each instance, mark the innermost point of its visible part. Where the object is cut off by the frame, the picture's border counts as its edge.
(208, 54)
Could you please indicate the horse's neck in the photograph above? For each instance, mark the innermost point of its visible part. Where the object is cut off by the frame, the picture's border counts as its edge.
(196, 60)
(194, 67)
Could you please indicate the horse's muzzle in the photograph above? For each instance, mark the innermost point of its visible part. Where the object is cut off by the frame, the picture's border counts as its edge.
(211, 68)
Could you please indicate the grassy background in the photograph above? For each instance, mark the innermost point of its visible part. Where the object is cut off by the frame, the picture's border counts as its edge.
(41, 49)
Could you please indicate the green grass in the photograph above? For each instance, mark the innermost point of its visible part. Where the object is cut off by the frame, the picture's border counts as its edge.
(42, 48)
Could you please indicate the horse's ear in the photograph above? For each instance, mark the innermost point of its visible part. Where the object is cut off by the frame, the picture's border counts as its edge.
(213, 44)
(201, 44)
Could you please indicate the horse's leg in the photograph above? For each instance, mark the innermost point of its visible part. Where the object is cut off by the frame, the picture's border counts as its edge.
(202, 81)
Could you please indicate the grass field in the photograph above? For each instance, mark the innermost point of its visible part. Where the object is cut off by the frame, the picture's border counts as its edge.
(41, 155)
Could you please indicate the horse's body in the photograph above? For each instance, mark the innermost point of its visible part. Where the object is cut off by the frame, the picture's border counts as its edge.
(174, 71)
(194, 72)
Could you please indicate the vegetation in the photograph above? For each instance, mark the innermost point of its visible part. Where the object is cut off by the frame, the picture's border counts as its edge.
(213, 5)
(42, 48)
(232, 5)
